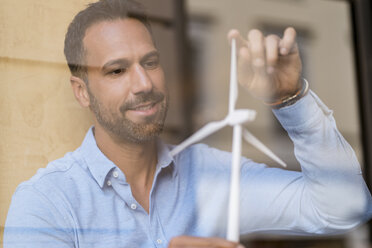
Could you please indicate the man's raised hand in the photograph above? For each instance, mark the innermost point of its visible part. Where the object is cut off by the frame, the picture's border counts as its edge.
(268, 67)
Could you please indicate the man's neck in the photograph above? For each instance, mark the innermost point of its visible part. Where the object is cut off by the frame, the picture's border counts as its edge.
(136, 160)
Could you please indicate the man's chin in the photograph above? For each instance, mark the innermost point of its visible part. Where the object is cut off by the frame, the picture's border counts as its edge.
(144, 133)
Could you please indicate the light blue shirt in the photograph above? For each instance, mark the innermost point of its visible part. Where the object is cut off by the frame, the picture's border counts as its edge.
(83, 200)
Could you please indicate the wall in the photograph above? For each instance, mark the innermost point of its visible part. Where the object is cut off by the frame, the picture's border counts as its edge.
(40, 119)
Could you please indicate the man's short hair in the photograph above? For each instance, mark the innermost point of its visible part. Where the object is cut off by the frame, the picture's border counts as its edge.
(103, 10)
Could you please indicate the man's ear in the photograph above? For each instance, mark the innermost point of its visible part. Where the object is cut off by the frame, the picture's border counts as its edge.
(80, 90)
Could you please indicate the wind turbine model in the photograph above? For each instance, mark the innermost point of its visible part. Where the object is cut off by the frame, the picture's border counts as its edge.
(235, 118)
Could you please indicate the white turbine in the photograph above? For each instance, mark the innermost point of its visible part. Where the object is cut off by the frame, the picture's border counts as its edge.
(235, 118)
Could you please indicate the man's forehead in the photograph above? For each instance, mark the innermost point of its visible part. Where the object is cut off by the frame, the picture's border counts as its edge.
(125, 36)
(112, 30)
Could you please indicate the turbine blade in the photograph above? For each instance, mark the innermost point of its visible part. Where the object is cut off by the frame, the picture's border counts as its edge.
(233, 78)
(199, 135)
(248, 136)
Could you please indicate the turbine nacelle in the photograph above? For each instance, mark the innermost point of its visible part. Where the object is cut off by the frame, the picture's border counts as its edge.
(240, 116)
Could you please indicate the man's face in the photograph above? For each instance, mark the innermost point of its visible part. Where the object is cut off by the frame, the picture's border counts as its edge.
(126, 84)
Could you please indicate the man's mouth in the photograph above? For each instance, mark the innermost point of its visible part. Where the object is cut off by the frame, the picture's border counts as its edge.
(143, 107)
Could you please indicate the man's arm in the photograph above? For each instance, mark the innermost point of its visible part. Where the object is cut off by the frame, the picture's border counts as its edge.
(329, 195)
(334, 187)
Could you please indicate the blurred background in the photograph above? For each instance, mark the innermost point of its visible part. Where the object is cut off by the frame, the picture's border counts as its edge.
(41, 121)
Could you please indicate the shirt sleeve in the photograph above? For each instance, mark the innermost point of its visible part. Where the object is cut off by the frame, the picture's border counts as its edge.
(33, 221)
(328, 196)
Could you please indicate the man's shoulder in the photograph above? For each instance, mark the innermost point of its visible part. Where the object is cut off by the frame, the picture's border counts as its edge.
(56, 174)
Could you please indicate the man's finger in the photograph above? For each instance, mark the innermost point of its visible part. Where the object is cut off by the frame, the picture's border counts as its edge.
(244, 56)
(244, 66)
(288, 42)
(194, 242)
(272, 52)
(257, 49)
(234, 34)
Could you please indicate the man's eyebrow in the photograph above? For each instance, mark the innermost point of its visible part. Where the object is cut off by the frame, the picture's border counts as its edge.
(149, 55)
(115, 62)
(126, 62)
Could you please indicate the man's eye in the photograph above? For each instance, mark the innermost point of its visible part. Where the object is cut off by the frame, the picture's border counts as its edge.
(117, 71)
(151, 64)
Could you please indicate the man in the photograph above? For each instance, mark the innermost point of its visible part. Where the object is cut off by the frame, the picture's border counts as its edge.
(122, 188)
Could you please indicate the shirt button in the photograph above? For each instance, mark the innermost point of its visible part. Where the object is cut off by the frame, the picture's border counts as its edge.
(109, 183)
(159, 241)
(115, 174)
(133, 206)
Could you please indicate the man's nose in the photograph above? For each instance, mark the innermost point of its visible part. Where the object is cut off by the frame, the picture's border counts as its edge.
(142, 83)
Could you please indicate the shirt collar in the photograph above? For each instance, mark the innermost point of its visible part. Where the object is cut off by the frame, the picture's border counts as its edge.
(99, 165)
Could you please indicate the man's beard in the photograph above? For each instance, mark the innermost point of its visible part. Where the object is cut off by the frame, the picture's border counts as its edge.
(125, 129)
